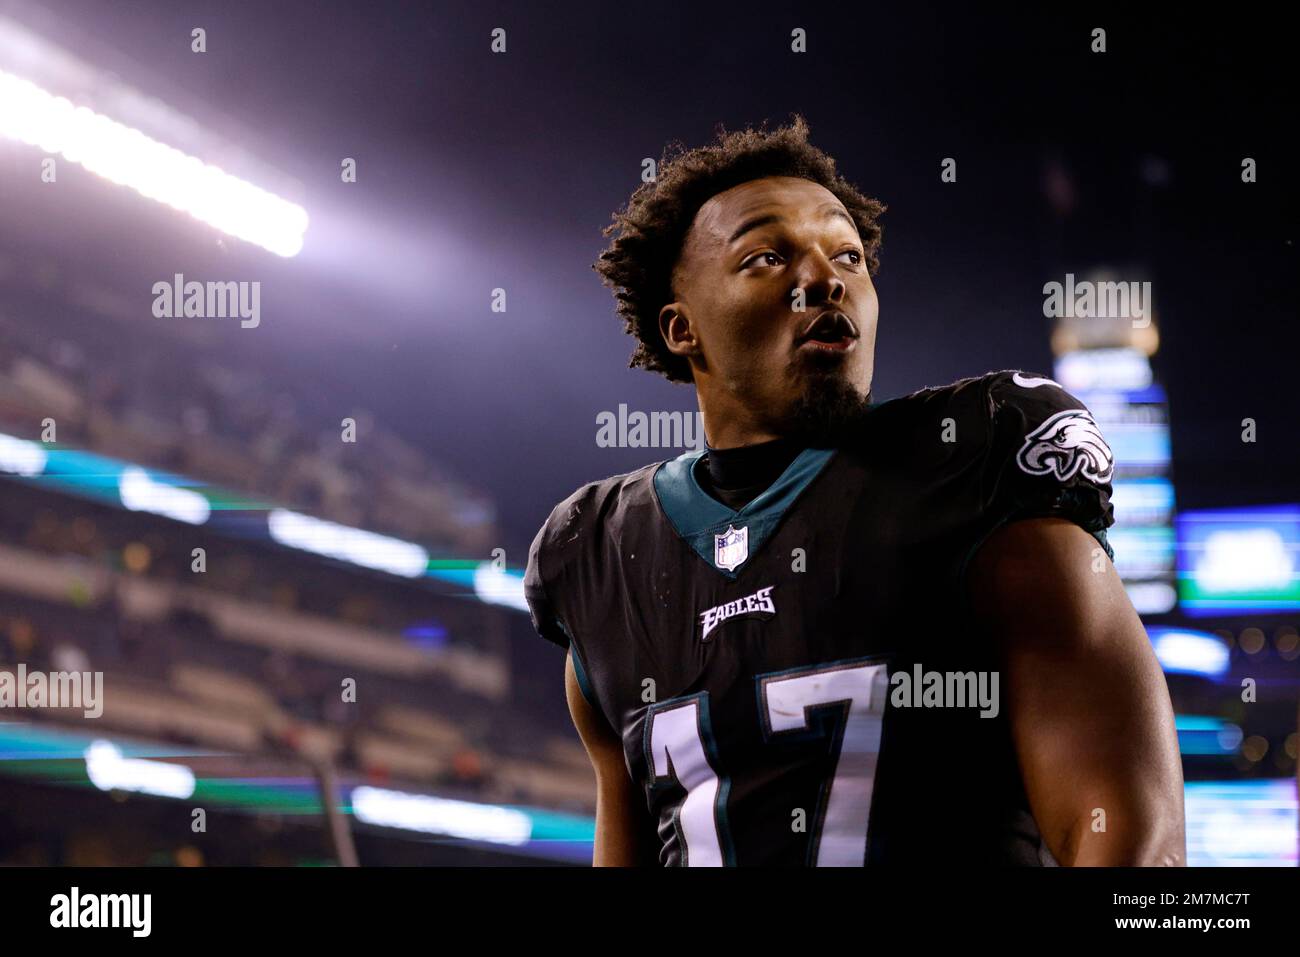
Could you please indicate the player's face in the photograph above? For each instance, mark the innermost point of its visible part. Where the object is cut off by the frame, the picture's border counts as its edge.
(749, 251)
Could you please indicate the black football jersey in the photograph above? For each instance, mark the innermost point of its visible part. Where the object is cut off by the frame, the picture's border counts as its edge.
(802, 681)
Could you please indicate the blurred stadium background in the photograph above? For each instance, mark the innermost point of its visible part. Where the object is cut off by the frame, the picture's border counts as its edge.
(395, 561)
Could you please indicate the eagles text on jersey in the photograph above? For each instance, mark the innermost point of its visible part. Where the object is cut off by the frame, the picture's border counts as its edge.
(754, 661)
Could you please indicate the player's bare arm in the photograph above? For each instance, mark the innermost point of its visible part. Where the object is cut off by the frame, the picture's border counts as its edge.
(623, 831)
(1090, 713)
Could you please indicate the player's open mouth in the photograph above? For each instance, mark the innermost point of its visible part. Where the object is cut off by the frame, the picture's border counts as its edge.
(832, 331)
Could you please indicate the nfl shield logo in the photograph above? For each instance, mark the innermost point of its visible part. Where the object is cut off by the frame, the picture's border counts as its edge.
(731, 547)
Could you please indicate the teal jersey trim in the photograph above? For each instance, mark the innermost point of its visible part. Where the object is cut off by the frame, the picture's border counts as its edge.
(697, 516)
(1104, 541)
(579, 669)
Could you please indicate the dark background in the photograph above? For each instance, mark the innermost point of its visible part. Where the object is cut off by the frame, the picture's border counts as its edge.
(478, 171)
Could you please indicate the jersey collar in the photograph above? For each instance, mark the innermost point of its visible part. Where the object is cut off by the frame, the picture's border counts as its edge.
(697, 517)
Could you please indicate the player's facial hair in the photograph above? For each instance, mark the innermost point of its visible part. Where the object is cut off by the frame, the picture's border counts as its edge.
(829, 411)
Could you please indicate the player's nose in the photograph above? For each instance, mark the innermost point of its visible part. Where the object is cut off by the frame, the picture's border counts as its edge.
(819, 279)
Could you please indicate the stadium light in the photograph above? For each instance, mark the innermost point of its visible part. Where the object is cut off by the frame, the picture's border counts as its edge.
(108, 770)
(1241, 823)
(500, 587)
(419, 812)
(1190, 652)
(127, 157)
(1201, 734)
(140, 493)
(187, 500)
(1239, 560)
(21, 457)
(347, 544)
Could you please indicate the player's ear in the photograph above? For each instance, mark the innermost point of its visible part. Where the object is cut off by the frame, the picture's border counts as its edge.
(678, 330)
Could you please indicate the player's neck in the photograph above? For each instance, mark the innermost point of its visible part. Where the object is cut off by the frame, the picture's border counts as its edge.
(751, 465)
(730, 424)
(737, 476)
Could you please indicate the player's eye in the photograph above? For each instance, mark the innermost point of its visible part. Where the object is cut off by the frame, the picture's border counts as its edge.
(746, 264)
(852, 252)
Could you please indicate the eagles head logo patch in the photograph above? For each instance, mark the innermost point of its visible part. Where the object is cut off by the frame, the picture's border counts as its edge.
(1067, 444)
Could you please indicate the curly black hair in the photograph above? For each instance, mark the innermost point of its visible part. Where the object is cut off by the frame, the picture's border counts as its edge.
(639, 264)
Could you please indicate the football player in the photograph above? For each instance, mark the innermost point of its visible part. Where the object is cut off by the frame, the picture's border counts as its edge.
(846, 632)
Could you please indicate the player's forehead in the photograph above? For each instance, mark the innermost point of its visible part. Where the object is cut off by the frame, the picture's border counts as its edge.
(791, 199)
(785, 199)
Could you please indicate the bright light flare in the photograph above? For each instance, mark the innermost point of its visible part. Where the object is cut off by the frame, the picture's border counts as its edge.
(140, 493)
(1190, 652)
(347, 544)
(20, 457)
(431, 815)
(109, 770)
(128, 157)
(499, 587)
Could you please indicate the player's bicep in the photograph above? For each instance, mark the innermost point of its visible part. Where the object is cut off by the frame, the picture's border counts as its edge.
(623, 829)
(1087, 701)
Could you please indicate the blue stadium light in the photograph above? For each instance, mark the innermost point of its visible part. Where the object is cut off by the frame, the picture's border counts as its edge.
(1137, 444)
(34, 752)
(432, 815)
(1142, 501)
(1204, 735)
(187, 500)
(1240, 560)
(1142, 551)
(1111, 370)
(1241, 823)
(1183, 651)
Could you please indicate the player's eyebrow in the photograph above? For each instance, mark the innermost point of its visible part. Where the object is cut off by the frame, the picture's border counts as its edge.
(829, 210)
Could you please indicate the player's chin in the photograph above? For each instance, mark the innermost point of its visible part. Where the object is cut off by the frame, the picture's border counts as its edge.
(833, 398)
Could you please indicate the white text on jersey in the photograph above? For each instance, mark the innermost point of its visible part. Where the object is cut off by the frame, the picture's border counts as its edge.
(759, 603)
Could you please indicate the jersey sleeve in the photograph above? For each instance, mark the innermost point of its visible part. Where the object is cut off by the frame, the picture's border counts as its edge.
(541, 580)
(554, 582)
(1046, 456)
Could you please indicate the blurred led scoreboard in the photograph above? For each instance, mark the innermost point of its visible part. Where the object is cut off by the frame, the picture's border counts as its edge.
(1239, 560)
(1133, 412)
